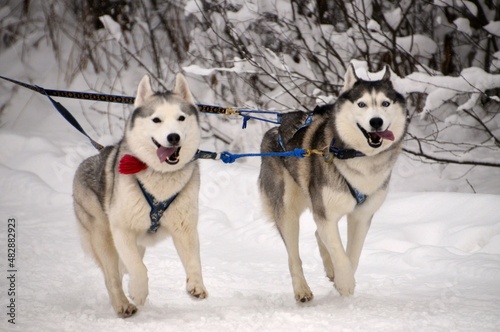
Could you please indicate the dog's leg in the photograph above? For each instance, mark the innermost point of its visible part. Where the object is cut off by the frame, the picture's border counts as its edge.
(358, 224)
(97, 240)
(328, 233)
(100, 243)
(357, 228)
(131, 256)
(283, 202)
(288, 225)
(109, 262)
(123, 269)
(325, 256)
(185, 237)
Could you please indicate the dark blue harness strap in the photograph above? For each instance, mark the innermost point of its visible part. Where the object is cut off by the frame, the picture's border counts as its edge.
(307, 122)
(280, 142)
(157, 208)
(358, 196)
(201, 154)
(341, 153)
(71, 119)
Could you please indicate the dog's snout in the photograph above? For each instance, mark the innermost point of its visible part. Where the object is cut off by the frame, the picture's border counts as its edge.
(376, 123)
(173, 139)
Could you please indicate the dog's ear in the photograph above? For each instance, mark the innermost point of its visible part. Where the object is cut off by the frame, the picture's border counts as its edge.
(349, 79)
(144, 91)
(182, 88)
(387, 74)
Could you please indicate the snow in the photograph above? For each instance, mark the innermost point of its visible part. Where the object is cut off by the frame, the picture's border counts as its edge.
(112, 27)
(431, 261)
(418, 45)
(493, 27)
(393, 17)
(469, 5)
(495, 63)
(463, 25)
(473, 80)
(374, 26)
(240, 66)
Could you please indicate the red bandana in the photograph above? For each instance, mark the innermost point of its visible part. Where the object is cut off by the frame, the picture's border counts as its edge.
(131, 165)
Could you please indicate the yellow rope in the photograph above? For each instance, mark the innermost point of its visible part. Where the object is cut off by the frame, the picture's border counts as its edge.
(310, 152)
(327, 155)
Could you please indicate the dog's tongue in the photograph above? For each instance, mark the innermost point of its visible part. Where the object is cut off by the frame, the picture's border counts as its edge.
(386, 134)
(164, 153)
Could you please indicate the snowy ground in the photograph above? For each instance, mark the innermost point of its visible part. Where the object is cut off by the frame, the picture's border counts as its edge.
(431, 260)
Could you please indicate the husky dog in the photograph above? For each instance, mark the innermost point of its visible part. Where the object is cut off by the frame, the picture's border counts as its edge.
(121, 195)
(359, 137)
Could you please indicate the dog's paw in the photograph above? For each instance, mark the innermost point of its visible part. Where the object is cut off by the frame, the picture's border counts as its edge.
(304, 297)
(196, 289)
(303, 293)
(126, 310)
(344, 282)
(138, 290)
(301, 290)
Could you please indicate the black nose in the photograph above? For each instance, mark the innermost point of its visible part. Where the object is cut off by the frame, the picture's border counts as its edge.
(376, 123)
(173, 139)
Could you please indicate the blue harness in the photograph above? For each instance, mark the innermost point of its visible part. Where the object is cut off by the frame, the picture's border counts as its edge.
(358, 196)
(157, 207)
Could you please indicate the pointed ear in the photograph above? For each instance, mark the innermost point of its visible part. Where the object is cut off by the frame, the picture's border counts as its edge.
(349, 79)
(144, 91)
(182, 88)
(387, 74)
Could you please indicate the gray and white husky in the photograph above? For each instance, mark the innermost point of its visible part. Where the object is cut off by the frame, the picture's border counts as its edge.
(137, 192)
(359, 138)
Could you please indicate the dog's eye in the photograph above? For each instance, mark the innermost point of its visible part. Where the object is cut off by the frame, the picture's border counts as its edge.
(385, 104)
(181, 118)
(156, 120)
(361, 104)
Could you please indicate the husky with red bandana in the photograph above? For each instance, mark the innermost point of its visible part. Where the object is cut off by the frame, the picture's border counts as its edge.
(138, 192)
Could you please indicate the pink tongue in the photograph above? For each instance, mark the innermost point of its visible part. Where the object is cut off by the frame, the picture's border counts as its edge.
(384, 134)
(164, 153)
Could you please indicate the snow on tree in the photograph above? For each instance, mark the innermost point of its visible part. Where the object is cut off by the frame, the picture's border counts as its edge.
(290, 54)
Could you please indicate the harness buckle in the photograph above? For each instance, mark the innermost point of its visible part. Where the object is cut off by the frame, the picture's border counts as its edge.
(328, 157)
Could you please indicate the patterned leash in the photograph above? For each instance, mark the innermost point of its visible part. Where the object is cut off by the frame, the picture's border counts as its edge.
(225, 156)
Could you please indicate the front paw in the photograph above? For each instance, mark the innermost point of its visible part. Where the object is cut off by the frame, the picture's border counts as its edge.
(302, 292)
(304, 297)
(344, 282)
(138, 290)
(196, 289)
(126, 310)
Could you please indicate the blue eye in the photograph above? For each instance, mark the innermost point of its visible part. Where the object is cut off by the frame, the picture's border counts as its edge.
(385, 104)
(156, 120)
(361, 104)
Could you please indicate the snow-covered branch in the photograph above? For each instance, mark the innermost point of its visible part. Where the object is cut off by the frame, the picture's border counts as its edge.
(440, 89)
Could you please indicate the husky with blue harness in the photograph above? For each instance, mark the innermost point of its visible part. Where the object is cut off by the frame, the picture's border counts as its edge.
(145, 188)
(356, 143)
